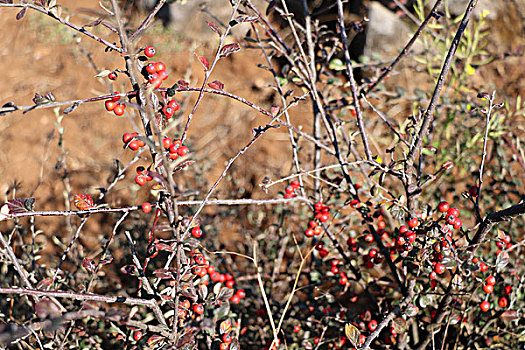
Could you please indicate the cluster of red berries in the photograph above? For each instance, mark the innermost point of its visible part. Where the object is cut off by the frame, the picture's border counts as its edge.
(488, 288)
(451, 217)
(141, 179)
(202, 268)
(155, 72)
(170, 109)
(322, 215)
(290, 189)
(130, 140)
(112, 105)
(175, 148)
(343, 278)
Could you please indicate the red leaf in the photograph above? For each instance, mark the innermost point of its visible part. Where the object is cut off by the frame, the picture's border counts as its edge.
(44, 284)
(164, 247)
(83, 201)
(203, 60)
(216, 85)
(248, 19)
(20, 205)
(214, 27)
(21, 14)
(88, 264)
(183, 83)
(128, 269)
(163, 273)
(106, 261)
(229, 49)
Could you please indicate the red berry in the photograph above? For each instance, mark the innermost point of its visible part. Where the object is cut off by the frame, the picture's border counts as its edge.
(134, 145)
(115, 97)
(354, 203)
(159, 66)
(443, 207)
(119, 109)
(197, 270)
(224, 346)
(491, 280)
(369, 238)
(112, 76)
(227, 338)
(502, 302)
(372, 325)
(296, 328)
(230, 283)
(196, 232)
(453, 212)
(110, 105)
(412, 223)
(241, 293)
(508, 290)
(137, 335)
(166, 142)
(156, 83)
(323, 253)
(295, 184)
(334, 270)
(318, 206)
(411, 237)
(324, 218)
(381, 225)
(488, 288)
(372, 253)
(150, 68)
(457, 223)
(439, 268)
(403, 229)
(152, 77)
(309, 232)
(343, 280)
(127, 137)
(433, 275)
(173, 104)
(183, 150)
(289, 189)
(163, 75)
(198, 309)
(484, 306)
(146, 207)
(149, 51)
(235, 299)
(140, 180)
(483, 267)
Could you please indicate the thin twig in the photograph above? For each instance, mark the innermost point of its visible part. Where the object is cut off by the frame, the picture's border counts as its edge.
(353, 85)
(406, 49)
(50, 13)
(147, 21)
(428, 116)
(138, 207)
